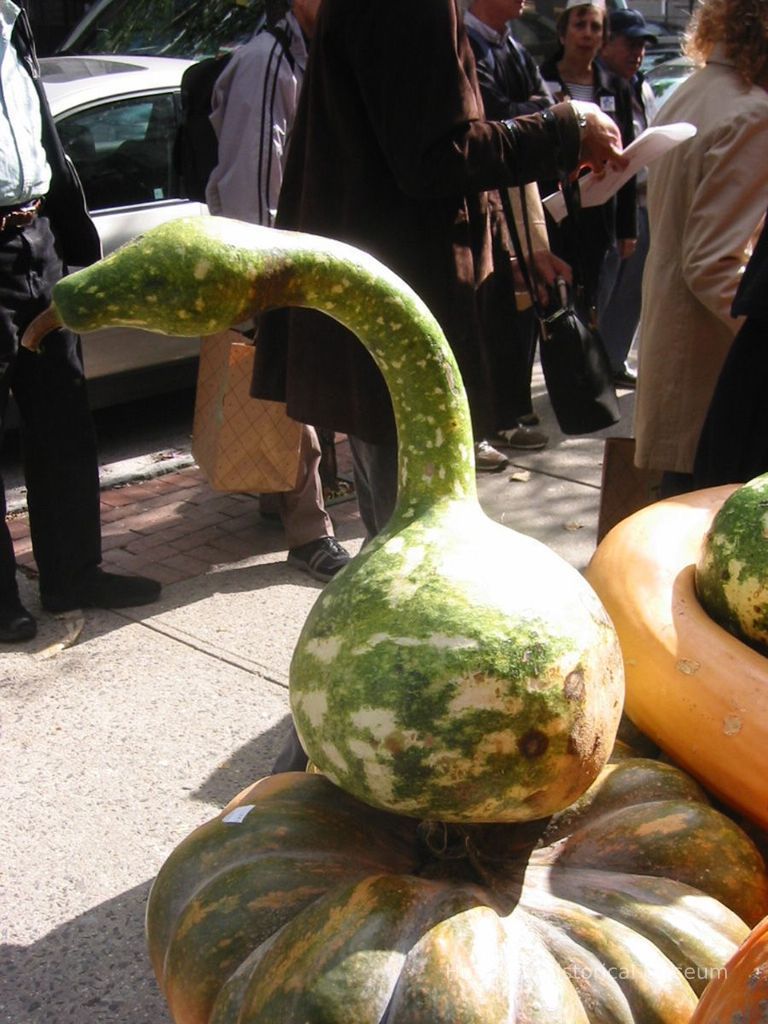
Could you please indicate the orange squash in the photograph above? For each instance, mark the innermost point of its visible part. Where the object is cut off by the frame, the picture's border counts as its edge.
(692, 687)
(738, 994)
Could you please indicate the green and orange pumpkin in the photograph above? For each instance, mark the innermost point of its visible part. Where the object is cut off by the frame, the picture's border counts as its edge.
(300, 905)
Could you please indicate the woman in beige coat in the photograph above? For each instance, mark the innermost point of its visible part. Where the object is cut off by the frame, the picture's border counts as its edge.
(706, 200)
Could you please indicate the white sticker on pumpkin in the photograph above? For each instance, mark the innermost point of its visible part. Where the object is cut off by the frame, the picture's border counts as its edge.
(238, 815)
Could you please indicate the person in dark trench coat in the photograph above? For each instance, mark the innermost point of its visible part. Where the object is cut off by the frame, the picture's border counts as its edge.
(391, 152)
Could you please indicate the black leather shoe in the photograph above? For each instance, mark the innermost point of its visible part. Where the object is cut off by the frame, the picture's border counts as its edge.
(16, 624)
(102, 589)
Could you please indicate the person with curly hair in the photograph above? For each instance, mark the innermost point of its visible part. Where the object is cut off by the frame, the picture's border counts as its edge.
(706, 201)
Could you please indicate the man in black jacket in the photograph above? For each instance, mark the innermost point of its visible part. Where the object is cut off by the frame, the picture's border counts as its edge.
(45, 227)
(511, 86)
(390, 152)
(733, 446)
(510, 80)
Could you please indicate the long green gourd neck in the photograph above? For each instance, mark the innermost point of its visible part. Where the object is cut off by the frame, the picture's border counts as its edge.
(435, 445)
(201, 275)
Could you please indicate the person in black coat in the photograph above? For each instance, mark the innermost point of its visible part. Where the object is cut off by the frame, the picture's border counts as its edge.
(733, 446)
(621, 279)
(44, 228)
(511, 86)
(390, 152)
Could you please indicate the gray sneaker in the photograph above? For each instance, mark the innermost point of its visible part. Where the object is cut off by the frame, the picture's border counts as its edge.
(487, 459)
(526, 439)
(322, 558)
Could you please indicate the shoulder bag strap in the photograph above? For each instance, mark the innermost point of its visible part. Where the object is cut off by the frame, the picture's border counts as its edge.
(526, 268)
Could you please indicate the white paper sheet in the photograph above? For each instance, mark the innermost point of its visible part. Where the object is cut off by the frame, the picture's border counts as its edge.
(649, 145)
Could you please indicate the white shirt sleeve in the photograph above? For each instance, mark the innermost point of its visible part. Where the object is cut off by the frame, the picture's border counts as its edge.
(24, 169)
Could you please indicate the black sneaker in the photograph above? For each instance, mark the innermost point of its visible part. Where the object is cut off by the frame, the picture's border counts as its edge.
(322, 558)
(487, 459)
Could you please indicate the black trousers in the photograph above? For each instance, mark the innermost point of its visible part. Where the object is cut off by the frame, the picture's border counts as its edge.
(57, 435)
(510, 337)
(733, 446)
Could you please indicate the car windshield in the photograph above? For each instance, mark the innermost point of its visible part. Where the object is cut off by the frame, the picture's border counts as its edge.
(176, 28)
(667, 76)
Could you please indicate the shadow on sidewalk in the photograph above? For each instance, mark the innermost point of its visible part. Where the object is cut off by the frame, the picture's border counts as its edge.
(91, 970)
(95, 968)
(244, 767)
(230, 605)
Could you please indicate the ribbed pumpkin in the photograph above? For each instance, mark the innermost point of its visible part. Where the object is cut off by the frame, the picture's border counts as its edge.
(455, 669)
(738, 994)
(300, 905)
(693, 688)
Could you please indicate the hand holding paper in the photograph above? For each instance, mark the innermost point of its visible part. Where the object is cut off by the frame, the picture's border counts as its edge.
(649, 145)
(600, 139)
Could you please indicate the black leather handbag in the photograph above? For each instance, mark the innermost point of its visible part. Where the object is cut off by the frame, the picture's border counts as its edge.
(576, 368)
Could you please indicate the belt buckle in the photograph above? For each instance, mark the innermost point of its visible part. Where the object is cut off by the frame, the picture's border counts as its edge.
(21, 217)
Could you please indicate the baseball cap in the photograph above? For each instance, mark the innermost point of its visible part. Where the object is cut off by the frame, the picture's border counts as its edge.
(599, 4)
(630, 23)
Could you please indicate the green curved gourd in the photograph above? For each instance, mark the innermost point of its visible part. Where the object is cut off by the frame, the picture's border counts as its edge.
(732, 570)
(455, 669)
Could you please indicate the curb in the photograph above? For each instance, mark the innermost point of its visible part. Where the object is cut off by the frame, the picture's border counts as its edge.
(119, 474)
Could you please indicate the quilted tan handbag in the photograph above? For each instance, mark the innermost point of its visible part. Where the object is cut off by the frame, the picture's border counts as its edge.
(241, 443)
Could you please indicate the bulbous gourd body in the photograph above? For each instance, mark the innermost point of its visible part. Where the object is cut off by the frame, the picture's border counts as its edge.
(456, 669)
(455, 680)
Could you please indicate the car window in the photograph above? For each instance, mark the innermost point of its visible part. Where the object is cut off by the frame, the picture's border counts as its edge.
(123, 150)
(169, 28)
(536, 33)
(667, 76)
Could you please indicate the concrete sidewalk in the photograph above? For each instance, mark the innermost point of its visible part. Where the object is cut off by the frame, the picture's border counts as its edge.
(123, 731)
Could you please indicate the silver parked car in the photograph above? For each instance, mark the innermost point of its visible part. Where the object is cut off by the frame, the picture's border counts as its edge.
(168, 28)
(665, 77)
(117, 118)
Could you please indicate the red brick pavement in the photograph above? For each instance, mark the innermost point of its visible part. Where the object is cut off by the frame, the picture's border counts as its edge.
(175, 527)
